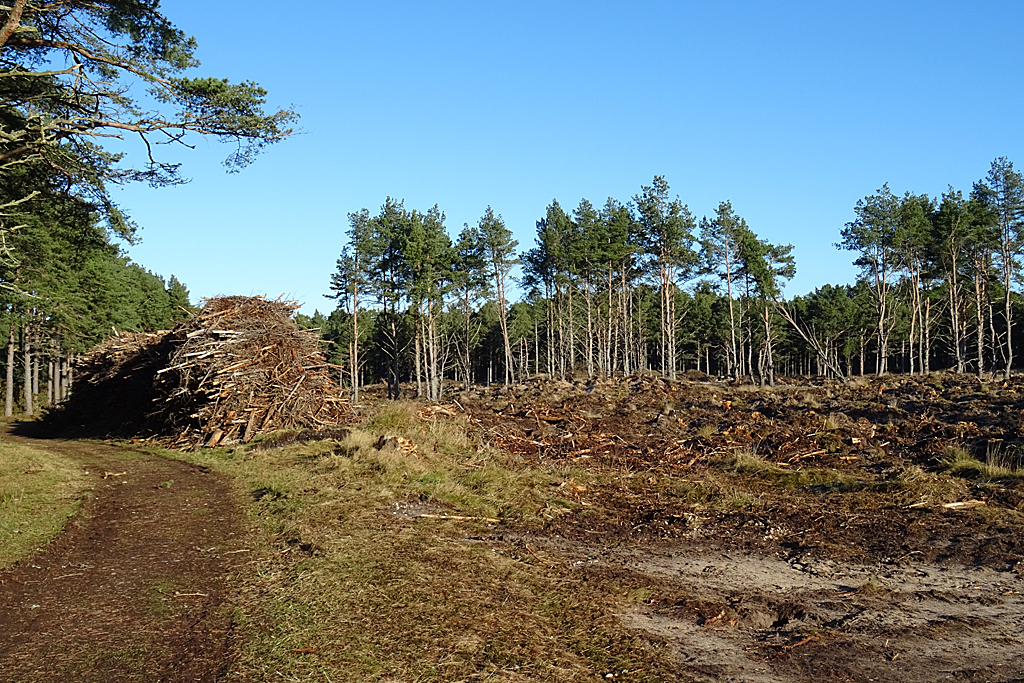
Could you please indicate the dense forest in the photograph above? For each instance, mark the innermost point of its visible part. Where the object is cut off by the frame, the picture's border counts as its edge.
(643, 285)
(72, 77)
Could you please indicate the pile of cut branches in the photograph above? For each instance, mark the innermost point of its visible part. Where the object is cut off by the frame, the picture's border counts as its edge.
(115, 355)
(238, 368)
(242, 367)
(113, 387)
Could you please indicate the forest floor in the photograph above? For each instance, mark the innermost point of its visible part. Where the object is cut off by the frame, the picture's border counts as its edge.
(632, 529)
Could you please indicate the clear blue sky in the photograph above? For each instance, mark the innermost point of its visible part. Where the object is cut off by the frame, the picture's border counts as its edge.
(791, 110)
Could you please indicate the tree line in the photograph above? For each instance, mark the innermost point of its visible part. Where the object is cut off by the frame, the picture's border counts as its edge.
(643, 285)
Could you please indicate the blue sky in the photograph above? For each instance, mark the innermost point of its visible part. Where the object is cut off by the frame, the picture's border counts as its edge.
(791, 110)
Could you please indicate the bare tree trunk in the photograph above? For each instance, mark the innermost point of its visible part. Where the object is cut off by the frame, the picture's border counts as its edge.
(572, 335)
(954, 316)
(26, 350)
(9, 405)
(434, 365)
(355, 343)
(670, 294)
(60, 380)
(466, 313)
(536, 346)
(609, 344)
(35, 373)
(562, 354)
(979, 296)
(926, 342)
(997, 344)
(590, 330)
(626, 310)
(418, 348)
(733, 359)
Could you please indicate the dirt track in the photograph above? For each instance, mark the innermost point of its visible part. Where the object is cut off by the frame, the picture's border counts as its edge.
(136, 588)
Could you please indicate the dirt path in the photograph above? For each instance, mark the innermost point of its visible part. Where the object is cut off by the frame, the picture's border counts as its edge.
(136, 587)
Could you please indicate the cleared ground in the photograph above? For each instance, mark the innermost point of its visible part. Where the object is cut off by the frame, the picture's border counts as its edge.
(635, 529)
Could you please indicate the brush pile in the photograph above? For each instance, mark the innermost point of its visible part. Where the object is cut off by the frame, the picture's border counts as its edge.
(122, 356)
(239, 368)
(242, 367)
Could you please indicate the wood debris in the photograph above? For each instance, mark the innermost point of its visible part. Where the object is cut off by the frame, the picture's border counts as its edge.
(239, 368)
(963, 504)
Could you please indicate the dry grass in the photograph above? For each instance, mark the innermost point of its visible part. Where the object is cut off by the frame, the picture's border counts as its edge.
(39, 491)
(355, 583)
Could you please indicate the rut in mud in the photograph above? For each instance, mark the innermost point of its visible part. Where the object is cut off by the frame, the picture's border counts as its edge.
(136, 587)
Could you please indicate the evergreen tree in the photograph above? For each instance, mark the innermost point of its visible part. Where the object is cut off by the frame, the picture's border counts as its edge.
(500, 253)
(719, 240)
(873, 234)
(1003, 192)
(470, 284)
(665, 228)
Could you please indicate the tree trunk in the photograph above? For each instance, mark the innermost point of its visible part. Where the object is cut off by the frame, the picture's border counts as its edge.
(9, 405)
(467, 365)
(954, 316)
(27, 364)
(419, 356)
(536, 345)
(572, 335)
(355, 343)
(926, 341)
(979, 296)
(590, 330)
(35, 374)
(626, 310)
(733, 359)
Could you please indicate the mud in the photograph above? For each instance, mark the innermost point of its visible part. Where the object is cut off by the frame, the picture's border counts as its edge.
(136, 588)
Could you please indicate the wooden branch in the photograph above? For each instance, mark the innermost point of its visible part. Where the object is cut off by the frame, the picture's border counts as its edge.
(13, 21)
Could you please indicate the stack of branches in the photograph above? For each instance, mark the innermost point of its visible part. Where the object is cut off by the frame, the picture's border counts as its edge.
(242, 367)
(125, 352)
(113, 388)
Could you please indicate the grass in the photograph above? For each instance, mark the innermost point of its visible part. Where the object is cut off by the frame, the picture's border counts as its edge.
(749, 461)
(352, 584)
(39, 491)
(999, 464)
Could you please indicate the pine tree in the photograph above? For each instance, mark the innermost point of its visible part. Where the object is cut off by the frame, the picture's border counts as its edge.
(500, 252)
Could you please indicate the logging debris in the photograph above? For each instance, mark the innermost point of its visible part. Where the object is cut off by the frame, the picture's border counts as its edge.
(239, 368)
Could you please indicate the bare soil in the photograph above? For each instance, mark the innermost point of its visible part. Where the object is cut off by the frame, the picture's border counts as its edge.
(831, 554)
(136, 588)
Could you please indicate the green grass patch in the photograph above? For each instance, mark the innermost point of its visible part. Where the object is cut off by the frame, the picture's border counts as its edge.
(39, 491)
(999, 464)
